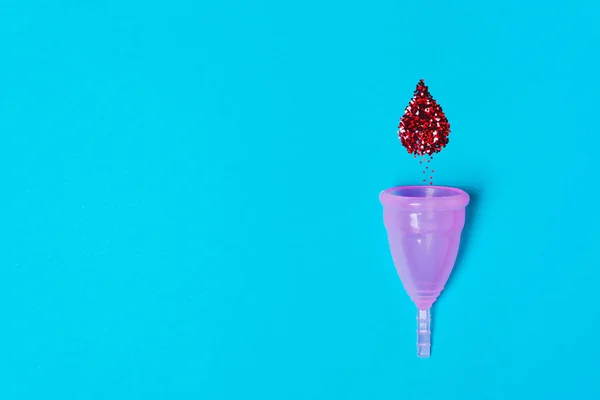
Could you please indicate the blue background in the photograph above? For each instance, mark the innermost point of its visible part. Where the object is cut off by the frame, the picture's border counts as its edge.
(190, 209)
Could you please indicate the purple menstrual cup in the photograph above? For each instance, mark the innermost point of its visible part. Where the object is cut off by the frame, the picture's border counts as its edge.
(424, 224)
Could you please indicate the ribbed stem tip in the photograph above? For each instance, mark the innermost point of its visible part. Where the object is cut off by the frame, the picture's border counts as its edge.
(423, 333)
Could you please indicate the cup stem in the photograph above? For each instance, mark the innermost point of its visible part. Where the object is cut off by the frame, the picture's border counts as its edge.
(424, 333)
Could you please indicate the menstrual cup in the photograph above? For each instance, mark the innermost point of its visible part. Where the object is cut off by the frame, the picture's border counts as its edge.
(424, 225)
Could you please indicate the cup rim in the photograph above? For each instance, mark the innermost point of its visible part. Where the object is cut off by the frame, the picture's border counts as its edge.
(421, 197)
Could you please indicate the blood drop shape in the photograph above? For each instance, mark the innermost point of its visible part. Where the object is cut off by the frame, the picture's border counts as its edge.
(424, 128)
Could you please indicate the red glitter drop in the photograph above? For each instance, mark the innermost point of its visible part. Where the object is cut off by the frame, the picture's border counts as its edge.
(423, 128)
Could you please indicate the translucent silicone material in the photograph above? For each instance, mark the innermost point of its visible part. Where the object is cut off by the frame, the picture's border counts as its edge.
(424, 225)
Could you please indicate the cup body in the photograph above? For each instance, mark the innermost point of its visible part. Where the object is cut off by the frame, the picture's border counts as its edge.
(424, 226)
